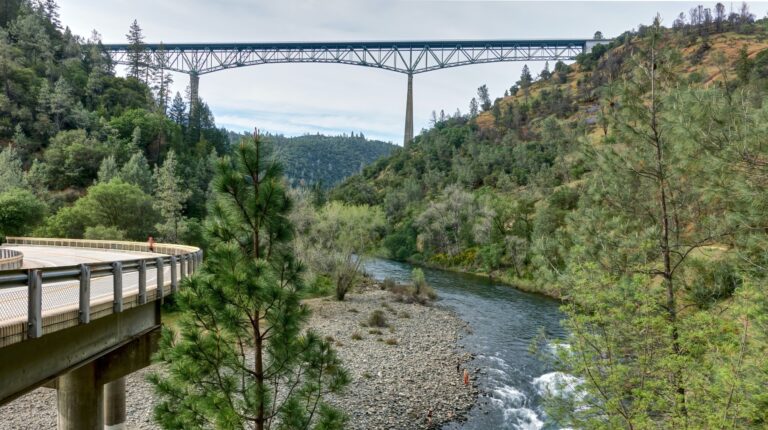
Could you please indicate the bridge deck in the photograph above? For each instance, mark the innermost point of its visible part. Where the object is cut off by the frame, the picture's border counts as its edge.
(403, 56)
(61, 299)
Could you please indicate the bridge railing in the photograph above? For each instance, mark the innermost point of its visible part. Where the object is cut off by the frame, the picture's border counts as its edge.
(179, 262)
(10, 259)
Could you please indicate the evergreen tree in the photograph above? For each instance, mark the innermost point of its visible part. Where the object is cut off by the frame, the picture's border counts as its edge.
(108, 169)
(245, 300)
(137, 172)
(648, 351)
(170, 197)
(161, 79)
(744, 65)
(178, 110)
(11, 173)
(136, 52)
(51, 12)
(525, 81)
(62, 103)
(545, 74)
(484, 97)
(473, 108)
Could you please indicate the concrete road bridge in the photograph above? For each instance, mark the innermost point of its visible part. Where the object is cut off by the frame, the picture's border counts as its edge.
(78, 316)
(407, 57)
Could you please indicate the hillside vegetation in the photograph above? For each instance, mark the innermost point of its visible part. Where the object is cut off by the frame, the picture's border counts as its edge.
(85, 153)
(632, 184)
(315, 160)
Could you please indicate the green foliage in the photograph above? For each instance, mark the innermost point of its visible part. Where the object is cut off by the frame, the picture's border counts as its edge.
(401, 243)
(73, 159)
(136, 171)
(11, 173)
(100, 232)
(170, 196)
(247, 296)
(20, 212)
(377, 318)
(324, 161)
(334, 239)
(115, 204)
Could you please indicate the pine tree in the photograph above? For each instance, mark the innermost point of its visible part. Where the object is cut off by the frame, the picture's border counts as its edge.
(62, 103)
(108, 169)
(545, 74)
(161, 79)
(243, 314)
(170, 197)
(744, 65)
(473, 108)
(484, 97)
(51, 12)
(178, 110)
(11, 173)
(647, 350)
(136, 52)
(525, 81)
(137, 172)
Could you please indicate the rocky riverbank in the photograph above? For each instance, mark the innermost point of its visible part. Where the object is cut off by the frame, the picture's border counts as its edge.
(399, 371)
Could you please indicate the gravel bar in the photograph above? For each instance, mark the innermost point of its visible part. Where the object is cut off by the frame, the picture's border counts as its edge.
(397, 376)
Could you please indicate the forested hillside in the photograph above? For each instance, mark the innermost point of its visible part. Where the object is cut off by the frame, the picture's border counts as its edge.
(85, 153)
(318, 160)
(632, 184)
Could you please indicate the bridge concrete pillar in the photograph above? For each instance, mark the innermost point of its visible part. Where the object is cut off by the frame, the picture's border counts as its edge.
(194, 87)
(114, 405)
(80, 400)
(409, 112)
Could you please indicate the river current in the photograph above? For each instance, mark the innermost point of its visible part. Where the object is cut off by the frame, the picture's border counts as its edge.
(504, 323)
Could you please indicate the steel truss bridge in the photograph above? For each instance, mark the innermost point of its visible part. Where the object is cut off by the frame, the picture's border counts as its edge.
(407, 57)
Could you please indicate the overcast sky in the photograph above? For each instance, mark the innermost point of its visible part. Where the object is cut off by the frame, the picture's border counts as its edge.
(295, 99)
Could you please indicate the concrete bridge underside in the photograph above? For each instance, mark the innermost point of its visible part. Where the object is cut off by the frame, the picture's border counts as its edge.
(81, 315)
(407, 57)
(86, 364)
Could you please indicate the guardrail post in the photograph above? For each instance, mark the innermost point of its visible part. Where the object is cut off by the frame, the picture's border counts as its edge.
(35, 312)
(174, 275)
(117, 282)
(85, 294)
(183, 265)
(159, 279)
(142, 282)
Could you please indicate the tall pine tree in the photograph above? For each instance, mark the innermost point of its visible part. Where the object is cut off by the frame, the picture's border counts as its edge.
(242, 358)
(136, 52)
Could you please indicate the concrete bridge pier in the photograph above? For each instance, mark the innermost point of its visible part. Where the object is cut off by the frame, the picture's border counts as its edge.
(114, 404)
(194, 88)
(409, 112)
(80, 400)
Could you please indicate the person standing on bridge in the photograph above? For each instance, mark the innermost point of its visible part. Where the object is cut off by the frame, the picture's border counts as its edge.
(151, 244)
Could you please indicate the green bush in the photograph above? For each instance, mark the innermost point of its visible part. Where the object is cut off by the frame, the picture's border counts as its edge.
(377, 319)
(20, 212)
(321, 286)
(100, 232)
(712, 281)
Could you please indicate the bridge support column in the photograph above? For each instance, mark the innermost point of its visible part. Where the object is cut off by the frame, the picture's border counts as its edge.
(409, 112)
(80, 400)
(114, 404)
(194, 87)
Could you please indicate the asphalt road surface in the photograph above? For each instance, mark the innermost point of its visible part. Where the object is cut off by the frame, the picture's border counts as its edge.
(62, 296)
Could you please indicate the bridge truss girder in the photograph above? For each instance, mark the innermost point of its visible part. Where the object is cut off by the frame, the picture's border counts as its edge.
(409, 57)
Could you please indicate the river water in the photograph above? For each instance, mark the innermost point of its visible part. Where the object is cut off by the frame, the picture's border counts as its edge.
(504, 323)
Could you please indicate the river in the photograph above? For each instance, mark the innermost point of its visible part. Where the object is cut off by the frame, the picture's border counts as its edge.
(504, 323)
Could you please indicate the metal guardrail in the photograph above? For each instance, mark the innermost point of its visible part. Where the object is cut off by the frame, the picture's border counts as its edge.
(182, 260)
(10, 259)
